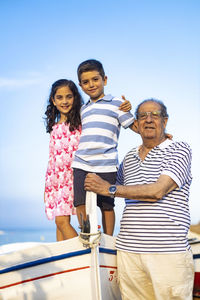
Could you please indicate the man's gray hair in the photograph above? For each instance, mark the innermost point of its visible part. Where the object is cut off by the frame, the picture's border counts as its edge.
(164, 113)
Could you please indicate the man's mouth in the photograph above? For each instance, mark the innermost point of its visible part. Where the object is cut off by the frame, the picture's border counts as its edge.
(149, 127)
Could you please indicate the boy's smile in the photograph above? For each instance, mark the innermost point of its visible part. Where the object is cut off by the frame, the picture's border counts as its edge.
(93, 84)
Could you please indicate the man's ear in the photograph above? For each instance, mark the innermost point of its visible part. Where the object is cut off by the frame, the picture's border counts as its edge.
(165, 122)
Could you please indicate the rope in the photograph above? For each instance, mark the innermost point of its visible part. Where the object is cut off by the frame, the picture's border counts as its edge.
(85, 239)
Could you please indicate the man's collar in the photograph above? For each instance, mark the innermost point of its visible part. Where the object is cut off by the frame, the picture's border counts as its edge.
(162, 145)
(165, 144)
(107, 98)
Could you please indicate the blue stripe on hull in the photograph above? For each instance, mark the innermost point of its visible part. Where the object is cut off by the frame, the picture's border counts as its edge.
(108, 251)
(44, 261)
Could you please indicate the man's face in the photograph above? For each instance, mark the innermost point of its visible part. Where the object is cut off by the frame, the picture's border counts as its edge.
(93, 84)
(151, 124)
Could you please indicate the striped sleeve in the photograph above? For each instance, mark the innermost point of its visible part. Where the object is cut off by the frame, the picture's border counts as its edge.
(178, 166)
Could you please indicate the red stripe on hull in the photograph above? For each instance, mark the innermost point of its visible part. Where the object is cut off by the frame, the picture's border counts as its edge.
(102, 266)
(44, 276)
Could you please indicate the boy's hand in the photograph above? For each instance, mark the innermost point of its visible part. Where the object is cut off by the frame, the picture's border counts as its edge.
(169, 136)
(126, 105)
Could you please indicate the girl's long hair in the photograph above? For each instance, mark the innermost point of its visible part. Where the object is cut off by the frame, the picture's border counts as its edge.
(53, 115)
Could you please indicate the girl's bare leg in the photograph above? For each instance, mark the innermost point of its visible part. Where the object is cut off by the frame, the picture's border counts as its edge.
(64, 228)
(59, 235)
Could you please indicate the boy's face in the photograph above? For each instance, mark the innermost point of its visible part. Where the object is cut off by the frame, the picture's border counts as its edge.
(93, 84)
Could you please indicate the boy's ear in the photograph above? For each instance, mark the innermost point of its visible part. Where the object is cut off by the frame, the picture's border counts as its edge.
(105, 80)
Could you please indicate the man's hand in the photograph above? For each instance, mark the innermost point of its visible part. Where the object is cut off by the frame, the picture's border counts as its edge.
(168, 136)
(126, 105)
(96, 184)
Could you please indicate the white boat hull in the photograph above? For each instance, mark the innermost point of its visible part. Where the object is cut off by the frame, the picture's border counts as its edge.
(61, 270)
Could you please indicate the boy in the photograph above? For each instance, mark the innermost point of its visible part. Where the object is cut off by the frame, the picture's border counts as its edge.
(97, 150)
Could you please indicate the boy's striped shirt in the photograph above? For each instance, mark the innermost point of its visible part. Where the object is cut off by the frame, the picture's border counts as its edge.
(101, 123)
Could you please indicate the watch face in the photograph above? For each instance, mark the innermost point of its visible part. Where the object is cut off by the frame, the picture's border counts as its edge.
(112, 189)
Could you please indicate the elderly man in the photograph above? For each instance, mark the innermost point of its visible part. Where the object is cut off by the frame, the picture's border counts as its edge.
(153, 255)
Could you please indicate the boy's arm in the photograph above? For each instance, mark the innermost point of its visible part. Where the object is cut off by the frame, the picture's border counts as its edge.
(126, 105)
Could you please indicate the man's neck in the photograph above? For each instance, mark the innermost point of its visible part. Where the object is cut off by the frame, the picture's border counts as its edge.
(148, 145)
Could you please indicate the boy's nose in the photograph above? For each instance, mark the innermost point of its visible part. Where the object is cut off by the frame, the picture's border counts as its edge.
(91, 83)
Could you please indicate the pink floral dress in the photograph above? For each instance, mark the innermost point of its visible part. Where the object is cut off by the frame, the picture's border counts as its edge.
(59, 176)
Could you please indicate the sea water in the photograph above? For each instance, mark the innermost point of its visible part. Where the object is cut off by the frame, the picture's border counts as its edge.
(8, 236)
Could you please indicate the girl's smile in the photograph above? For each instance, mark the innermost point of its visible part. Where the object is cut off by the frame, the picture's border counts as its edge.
(63, 100)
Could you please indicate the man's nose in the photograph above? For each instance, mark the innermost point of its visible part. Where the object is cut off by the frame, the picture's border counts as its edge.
(149, 118)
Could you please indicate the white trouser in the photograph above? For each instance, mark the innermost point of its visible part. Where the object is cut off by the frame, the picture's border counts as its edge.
(155, 276)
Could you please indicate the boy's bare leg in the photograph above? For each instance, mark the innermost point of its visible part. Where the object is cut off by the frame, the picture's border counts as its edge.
(108, 221)
(80, 210)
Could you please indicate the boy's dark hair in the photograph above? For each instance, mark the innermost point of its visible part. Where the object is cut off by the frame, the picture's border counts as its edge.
(53, 115)
(163, 109)
(90, 65)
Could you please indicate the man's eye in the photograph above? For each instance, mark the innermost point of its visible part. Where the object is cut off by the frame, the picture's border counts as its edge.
(142, 115)
(156, 113)
(84, 82)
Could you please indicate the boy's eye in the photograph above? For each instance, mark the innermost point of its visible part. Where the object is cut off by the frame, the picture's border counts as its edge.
(84, 82)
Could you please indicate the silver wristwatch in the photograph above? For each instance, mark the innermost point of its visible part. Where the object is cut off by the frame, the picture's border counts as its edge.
(112, 190)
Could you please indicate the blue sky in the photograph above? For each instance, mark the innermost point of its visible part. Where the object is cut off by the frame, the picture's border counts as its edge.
(148, 48)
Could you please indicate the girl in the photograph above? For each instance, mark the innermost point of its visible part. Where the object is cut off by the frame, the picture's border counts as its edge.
(64, 125)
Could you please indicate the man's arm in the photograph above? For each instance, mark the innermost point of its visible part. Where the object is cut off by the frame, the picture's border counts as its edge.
(144, 192)
(134, 127)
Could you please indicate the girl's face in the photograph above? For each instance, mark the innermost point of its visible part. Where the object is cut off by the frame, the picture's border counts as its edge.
(63, 100)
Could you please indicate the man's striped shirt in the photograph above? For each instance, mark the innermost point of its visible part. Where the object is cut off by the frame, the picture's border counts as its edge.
(101, 123)
(161, 226)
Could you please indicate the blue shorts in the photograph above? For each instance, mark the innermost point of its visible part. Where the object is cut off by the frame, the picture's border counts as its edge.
(104, 202)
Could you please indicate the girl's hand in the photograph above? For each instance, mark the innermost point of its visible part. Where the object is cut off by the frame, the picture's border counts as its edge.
(126, 105)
